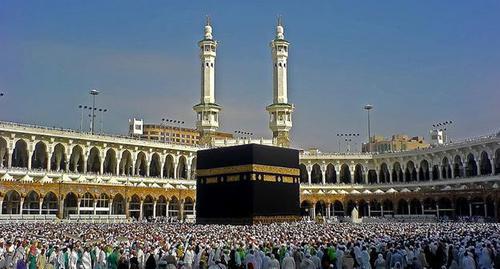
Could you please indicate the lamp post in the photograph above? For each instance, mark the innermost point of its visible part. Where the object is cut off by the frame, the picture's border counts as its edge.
(244, 134)
(102, 111)
(82, 107)
(94, 93)
(177, 122)
(348, 138)
(368, 108)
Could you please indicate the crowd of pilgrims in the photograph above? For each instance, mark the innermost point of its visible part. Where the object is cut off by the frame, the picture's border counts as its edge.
(300, 245)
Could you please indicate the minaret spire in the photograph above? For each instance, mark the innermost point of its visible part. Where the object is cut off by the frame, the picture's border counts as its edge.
(207, 111)
(280, 111)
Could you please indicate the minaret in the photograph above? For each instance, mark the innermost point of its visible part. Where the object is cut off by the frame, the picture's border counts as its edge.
(207, 111)
(280, 111)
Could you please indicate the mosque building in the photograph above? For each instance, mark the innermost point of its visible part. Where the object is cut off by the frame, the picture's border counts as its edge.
(49, 173)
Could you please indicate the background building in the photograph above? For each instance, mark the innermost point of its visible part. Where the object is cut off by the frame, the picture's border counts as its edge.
(175, 134)
(398, 142)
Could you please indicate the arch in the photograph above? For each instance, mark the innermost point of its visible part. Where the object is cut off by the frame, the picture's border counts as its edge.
(446, 168)
(423, 172)
(193, 168)
(375, 208)
(445, 207)
(349, 207)
(345, 174)
(388, 207)
(141, 164)
(40, 157)
(161, 206)
(485, 164)
(126, 163)
(384, 173)
(330, 174)
(20, 155)
(134, 207)
(415, 207)
(397, 173)
(338, 208)
(429, 206)
(305, 206)
(462, 207)
(188, 206)
(320, 208)
(303, 174)
(182, 168)
(76, 160)
(155, 165)
(4, 154)
(372, 176)
(58, 161)
(168, 168)
(11, 203)
(102, 205)
(410, 172)
(87, 204)
(316, 176)
(50, 203)
(118, 207)
(403, 207)
(471, 168)
(358, 174)
(31, 203)
(94, 160)
(435, 172)
(173, 208)
(363, 208)
(110, 162)
(147, 207)
(477, 207)
(70, 204)
(458, 167)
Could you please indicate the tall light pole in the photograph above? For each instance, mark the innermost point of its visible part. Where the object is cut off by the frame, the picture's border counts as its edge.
(102, 110)
(94, 93)
(368, 108)
(82, 108)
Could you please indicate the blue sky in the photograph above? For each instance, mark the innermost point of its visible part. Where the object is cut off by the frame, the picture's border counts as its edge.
(417, 62)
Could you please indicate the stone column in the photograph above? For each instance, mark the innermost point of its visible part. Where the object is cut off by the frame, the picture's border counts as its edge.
(162, 163)
(390, 174)
(378, 176)
(323, 176)
(452, 171)
(369, 210)
(470, 209)
(49, 158)
(40, 204)
(175, 169)
(110, 207)
(118, 160)
(9, 158)
(440, 167)
(60, 211)
(437, 210)
(485, 210)
(85, 157)
(95, 207)
(492, 162)
(309, 170)
(312, 211)
(328, 208)
(367, 171)
(147, 169)
(1, 205)
(154, 208)
(141, 210)
(101, 167)
(21, 205)
(409, 208)
(431, 173)
(127, 207)
(78, 206)
(422, 205)
(382, 210)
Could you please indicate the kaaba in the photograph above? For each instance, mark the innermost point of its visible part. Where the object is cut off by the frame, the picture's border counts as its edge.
(247, 184)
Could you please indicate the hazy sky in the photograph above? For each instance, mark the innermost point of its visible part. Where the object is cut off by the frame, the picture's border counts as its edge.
(417, 62)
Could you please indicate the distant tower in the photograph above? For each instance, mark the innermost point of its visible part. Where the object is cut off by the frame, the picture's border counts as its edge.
(280, 111)
(207, 111)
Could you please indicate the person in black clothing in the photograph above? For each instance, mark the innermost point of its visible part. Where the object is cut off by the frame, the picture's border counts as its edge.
(134, 262)
(151, 262)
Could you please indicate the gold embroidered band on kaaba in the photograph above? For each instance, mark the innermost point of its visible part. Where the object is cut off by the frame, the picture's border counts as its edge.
(248, 168)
